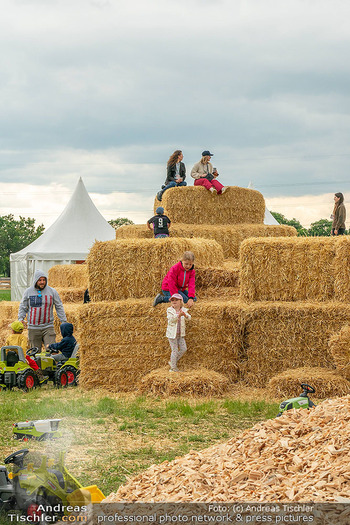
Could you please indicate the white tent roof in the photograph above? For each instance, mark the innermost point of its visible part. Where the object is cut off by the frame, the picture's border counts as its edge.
(269, 219)
(74, 232)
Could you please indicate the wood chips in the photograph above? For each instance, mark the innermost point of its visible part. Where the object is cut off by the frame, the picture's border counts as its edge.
(302, 456)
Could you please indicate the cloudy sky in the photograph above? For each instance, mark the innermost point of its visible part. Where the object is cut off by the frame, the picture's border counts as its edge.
(108, 89)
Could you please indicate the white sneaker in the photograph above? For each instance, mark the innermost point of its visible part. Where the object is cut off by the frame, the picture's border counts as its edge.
(223, 189)
(213, 190)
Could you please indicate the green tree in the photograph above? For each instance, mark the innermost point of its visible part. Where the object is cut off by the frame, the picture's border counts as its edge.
(281, 219)
(120, 221)
(320, 228)
(15, 235)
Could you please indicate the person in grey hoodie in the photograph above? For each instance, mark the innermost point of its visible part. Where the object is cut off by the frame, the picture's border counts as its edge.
(37, 304)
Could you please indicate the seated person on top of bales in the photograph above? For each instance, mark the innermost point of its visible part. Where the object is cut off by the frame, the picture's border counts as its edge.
(161, 224)
(179, 279)
(66, 346)
(37, 304)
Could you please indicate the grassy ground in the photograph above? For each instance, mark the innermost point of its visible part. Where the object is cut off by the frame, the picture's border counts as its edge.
(108, 439)
(5, 295)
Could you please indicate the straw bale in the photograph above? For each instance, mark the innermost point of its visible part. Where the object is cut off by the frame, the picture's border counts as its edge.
(302, 456)
(72, 312)
(196, 205)
(68, 276)
(288, 269)
(217, 277)
(326, 383)
(280, 336)
(228, 236)
(124, 341)
(8, 312)
(200, 382)
(71, 295)
(339, 348)
(342, 269)
(135, 268)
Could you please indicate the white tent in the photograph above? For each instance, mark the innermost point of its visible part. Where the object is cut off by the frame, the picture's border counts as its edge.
(269, 219)
(67, 241)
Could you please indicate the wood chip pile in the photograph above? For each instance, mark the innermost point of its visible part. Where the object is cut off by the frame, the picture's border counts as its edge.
(135, 268)
(200, 382)
(229, 236)
(327, 383)
(339, 348)
(302, 456)
(124, 341)
(196, 205)
(295, 269)
(279, 336)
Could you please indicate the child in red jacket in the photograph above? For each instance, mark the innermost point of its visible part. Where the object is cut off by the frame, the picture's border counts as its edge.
(179, 279)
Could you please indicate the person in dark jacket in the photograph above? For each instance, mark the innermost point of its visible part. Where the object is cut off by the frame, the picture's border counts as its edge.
(176, 173)
(66, 346)
(161, 224)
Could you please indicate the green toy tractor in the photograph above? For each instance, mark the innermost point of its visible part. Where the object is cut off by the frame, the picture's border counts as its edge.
(49, 490)
(14, 369)
(62, 373)
(39, 429)
(303, 401)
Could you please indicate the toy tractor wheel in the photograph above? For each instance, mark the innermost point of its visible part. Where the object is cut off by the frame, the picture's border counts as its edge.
(71, 374)
(61, 378)
(26, 380)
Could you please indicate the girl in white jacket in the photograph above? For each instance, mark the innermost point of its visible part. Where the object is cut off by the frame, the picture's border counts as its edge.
(177, 316)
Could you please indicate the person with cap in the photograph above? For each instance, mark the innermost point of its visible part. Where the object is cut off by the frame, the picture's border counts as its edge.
(17, 338)
(176, 173)
(161, 224)
(179, 279)
(177, 316)
(204, 174)
(37, 304)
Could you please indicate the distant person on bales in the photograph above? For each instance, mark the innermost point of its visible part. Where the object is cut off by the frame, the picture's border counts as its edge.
(176, 173)
(64, 349)
(177, 316)
(205, 175)
(179, 279)
(161, 224)
(17, 338)
(338, 215)
(37, 304)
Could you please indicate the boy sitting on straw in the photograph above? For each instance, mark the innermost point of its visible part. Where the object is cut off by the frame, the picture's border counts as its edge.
(161, 224)
(175, 332)
(179, 279)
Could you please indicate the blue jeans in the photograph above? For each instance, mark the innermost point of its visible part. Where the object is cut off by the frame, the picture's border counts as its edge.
(172, 185)
(183, 294)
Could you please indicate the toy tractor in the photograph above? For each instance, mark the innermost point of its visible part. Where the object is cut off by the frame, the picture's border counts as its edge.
(44, 491)
(62, 373)
(14, 369)
(303, 401)
(39, 429)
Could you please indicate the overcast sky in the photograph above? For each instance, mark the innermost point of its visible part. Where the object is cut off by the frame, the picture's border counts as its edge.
(108, 89)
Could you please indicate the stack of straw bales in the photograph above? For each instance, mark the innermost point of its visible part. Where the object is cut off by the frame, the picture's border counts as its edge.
(123, 341)
(70, 281)
(201, 382)
(8, 314)
(339, 348)
(196, 205)
(327, 383)
(135, 268)
(280, 335)
(229, 236)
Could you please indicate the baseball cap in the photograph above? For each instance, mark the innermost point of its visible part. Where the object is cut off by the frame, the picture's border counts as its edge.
(207, 153)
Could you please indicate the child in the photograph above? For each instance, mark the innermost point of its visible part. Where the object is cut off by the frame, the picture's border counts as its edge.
(177, 317)
(161, 224)
(17, 338)
(179, 278)
(65, 347)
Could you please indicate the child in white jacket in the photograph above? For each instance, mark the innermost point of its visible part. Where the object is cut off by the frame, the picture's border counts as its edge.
(177, 316)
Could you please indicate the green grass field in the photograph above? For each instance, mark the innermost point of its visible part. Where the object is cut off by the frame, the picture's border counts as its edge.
(5, 295)
(108, 439)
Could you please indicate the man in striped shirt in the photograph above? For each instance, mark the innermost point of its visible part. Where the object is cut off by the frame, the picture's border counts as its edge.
(37, 304)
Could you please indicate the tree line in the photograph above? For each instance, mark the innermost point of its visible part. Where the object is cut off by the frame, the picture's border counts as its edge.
(321, 228)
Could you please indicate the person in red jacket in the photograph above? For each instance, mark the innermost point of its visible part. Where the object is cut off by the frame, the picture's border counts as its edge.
(179, 279)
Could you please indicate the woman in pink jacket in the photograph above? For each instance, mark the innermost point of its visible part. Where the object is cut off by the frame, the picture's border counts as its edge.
(179, 279)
